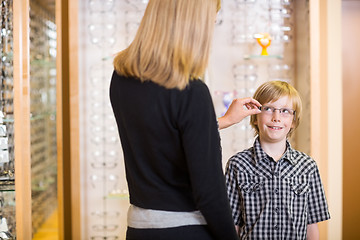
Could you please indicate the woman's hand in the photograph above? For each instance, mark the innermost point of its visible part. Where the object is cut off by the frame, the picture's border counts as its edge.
(239, 109)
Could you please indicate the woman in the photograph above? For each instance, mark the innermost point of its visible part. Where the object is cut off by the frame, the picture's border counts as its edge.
(168, 127)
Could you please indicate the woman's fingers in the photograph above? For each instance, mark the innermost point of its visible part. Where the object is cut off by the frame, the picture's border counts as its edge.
(250, 100)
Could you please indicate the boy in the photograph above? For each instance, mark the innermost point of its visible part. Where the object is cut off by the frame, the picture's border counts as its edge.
(275, 191)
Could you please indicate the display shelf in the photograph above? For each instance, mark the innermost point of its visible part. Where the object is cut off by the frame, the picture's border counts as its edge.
(42, 63)
(117, 196)
(108, 58)
(248, 57)
(7, 56)
(7, 185)
(33, 117)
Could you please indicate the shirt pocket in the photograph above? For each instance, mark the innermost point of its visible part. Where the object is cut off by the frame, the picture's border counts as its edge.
(252, 185)
(253, 198)
(297, 197)
(299, 185)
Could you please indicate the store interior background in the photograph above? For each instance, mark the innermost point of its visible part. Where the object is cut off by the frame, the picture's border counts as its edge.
(322, 55)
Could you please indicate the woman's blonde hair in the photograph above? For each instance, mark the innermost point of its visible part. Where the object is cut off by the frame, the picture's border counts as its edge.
(172, 44)
(270, 92)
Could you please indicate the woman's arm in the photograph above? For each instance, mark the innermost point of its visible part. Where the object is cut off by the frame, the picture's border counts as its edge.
(312, 232)
(239, 109)
(237, 228)
(196, 122)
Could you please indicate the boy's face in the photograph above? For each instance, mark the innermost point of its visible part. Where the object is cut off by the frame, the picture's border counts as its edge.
(274, 125)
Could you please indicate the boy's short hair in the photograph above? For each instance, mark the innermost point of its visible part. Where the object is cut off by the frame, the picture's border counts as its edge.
(271, 91)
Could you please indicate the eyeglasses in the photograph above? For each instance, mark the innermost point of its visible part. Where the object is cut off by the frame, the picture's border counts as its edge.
(284, 112)
(110, 227)
(104, 237)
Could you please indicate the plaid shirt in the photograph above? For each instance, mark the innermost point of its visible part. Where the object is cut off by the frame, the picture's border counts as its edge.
(275, 200)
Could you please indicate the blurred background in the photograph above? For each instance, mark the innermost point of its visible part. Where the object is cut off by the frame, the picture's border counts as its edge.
(61, 164)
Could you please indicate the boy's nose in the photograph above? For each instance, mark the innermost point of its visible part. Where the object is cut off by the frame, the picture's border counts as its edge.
(276, 116)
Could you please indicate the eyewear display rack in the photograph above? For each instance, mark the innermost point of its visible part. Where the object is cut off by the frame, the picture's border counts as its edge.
(7, 168)
(28, 154)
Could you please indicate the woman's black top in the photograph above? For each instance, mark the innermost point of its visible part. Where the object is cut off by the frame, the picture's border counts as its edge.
(172, 152)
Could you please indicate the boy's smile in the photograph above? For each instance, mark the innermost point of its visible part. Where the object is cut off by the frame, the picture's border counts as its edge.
(275, 127)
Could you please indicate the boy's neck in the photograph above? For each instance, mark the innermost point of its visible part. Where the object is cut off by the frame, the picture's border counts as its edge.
(274, 149)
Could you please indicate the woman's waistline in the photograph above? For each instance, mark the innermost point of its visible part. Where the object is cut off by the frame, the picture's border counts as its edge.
(148, 218)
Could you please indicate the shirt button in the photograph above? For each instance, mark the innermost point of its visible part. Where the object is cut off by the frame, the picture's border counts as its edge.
(276, 227)
(276, 174)
(276, 210)
(276, 190)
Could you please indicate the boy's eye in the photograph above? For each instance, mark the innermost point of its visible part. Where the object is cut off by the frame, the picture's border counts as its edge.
(285, 110)
(267, 109)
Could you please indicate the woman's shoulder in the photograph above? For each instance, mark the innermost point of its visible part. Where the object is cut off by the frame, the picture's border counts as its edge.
(196, 89)
(116, 77)
(197, 84)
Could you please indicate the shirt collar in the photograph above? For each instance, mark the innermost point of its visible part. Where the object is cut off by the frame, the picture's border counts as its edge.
(260, 154)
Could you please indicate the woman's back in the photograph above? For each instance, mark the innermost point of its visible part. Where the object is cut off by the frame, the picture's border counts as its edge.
(150, 120)
(171, 149)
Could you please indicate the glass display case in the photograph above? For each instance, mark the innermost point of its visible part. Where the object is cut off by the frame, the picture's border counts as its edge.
(106, 31)
(7, 167)
(40, 119)
(42, 113)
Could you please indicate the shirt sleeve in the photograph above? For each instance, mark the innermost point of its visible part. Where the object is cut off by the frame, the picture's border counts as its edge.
(201, 143)
(317, 204)
(232, 190)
